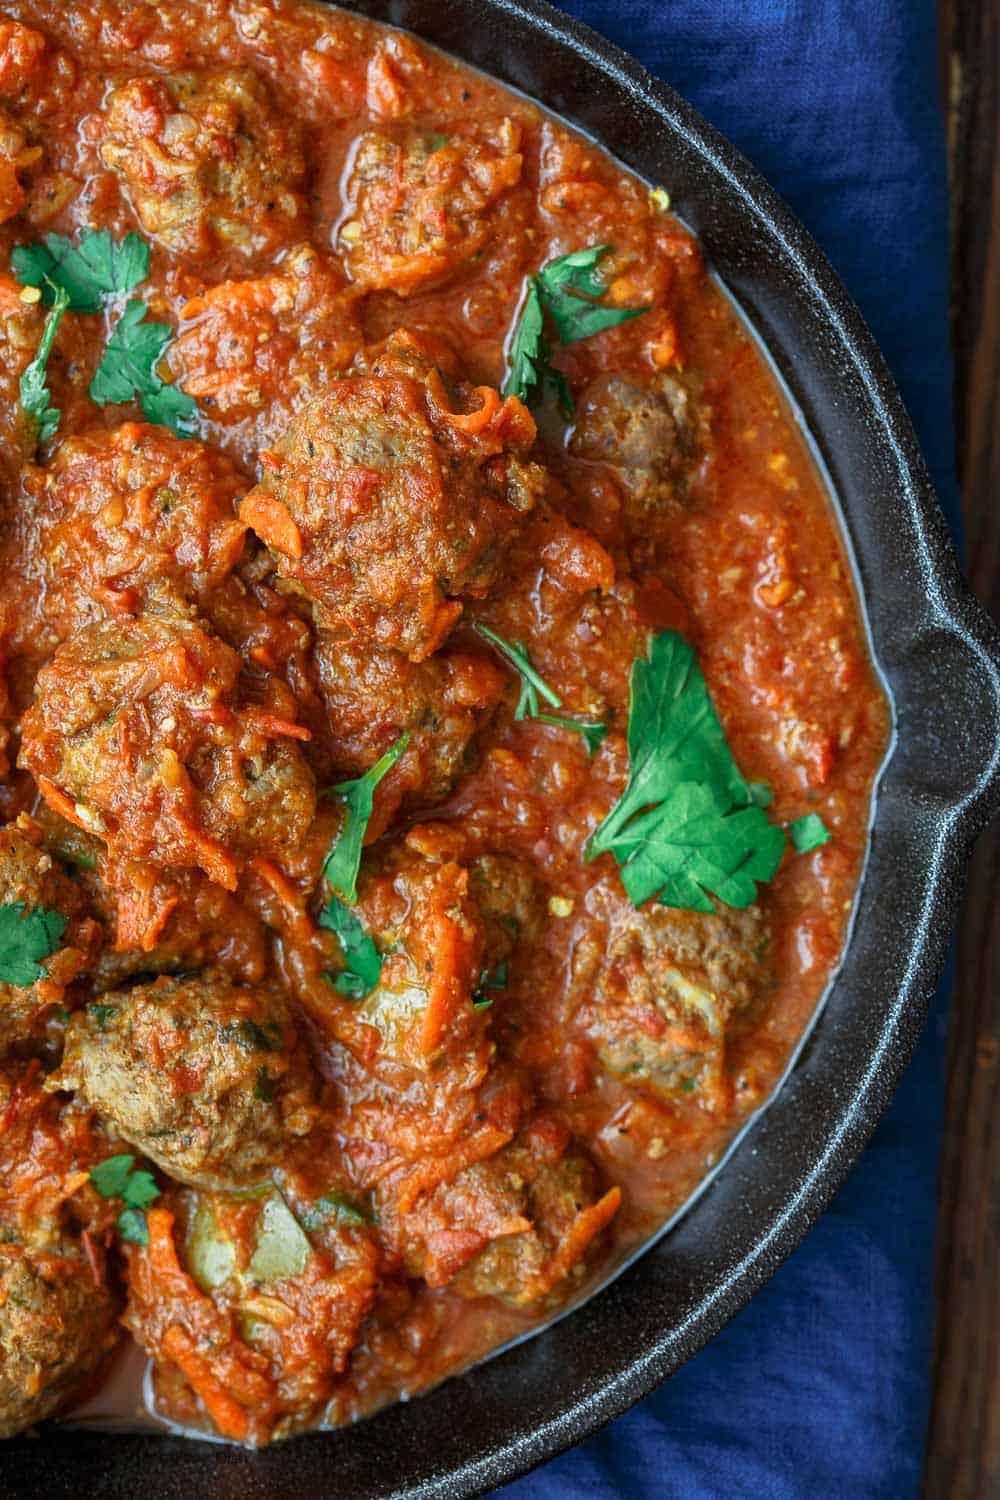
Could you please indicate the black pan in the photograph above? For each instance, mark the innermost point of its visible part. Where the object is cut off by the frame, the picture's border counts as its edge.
(941, 658)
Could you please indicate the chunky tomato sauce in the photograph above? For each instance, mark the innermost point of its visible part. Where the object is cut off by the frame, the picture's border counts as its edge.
(328, 568)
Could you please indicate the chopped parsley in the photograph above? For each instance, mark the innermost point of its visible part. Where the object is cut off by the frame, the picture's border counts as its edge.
(114, 1178)
(36, 398)
(102, 1014)
(489, 979)
(534, 687)
(344, 860)
(687, 824)
(26, 937)
(362, 960)
(251, 1037)
(263, 1089)
(96, 268)
(809, 832)
(334, 1208)
(127, 371)
(567, 290)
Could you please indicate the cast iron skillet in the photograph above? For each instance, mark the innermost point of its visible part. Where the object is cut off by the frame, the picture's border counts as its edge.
(941, 658)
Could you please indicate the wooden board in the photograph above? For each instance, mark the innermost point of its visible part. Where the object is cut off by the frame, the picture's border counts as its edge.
(963, 1456)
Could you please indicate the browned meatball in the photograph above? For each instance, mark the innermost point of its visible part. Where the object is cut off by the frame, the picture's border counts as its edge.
(212, 164)
(371, 697)
(658, 996)
(512, 1226)
(120, 516)
(31, 878)
(139, 734)
(253, 353)
(384, 506)
(56, 1327)
(643, 429)
(204, 1076)
(422, 205)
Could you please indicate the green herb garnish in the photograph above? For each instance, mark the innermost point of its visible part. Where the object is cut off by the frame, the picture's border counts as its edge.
(96, 268)
(362, 960)
(26, 937)
(335, 1208)
(114, 1178)
(686, 823)
(566, 289)
(534, 687)
(36, 398)
(102, 1014)
(809, 832)
(489, 979)
(253, 1038)
(263, 1089)
(127, 371)
(344, 859)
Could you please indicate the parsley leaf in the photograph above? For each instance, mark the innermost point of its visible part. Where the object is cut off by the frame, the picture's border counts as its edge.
(489, 979)
(534, 687)
(127, 371)
(344, 859)
(565, 286)
(114, 1178)
(687, 823)
(102, 1014)
(263, 1088)
(809, 832)
(36, 397)
(87, 272)
(26, 937)
(689, 845)
(565, 289)
(363, 962)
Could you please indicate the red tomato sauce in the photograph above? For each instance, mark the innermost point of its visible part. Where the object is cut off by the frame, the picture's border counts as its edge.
(390, 1131)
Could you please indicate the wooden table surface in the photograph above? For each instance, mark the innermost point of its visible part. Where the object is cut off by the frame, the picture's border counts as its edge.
(963, 1456)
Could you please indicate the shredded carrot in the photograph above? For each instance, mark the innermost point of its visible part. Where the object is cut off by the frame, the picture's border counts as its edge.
(287, 894)
(270, 519)
(449, 947)
(60, 803)
(584, 1229)
(274, 727)
(476, 421)
(433, 1171)
(229, 1416)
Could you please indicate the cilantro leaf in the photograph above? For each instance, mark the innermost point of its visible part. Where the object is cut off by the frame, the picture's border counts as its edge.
(110, 1175)
(342, 863)
(88, 272)
(127, 371)
(566, 284)
(690, 845)
(674, 735)
(809, 832)
(26, 937)
(363, 962)
(563, 289)
(534, 687)
(132, 1226)
(36, 397)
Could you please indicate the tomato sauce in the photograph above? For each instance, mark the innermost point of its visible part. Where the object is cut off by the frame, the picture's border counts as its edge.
(391, 1131)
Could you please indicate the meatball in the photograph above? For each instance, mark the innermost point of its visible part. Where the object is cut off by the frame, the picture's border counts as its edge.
(512, 1226)
(138, 733)
(422, 206)
(56, 1327)
(211, 162)
(383, 506)
(658, 997)
(253, 353)
(31, 879)
(281, 1293)
(203, 1075)
(17, 154)
(642, 428)
(371, 697)
(120, 516)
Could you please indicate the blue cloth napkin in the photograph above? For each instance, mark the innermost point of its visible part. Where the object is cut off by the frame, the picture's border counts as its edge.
(818, 1389)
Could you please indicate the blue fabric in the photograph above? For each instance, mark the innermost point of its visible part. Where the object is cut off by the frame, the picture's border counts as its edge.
(818, 1390)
